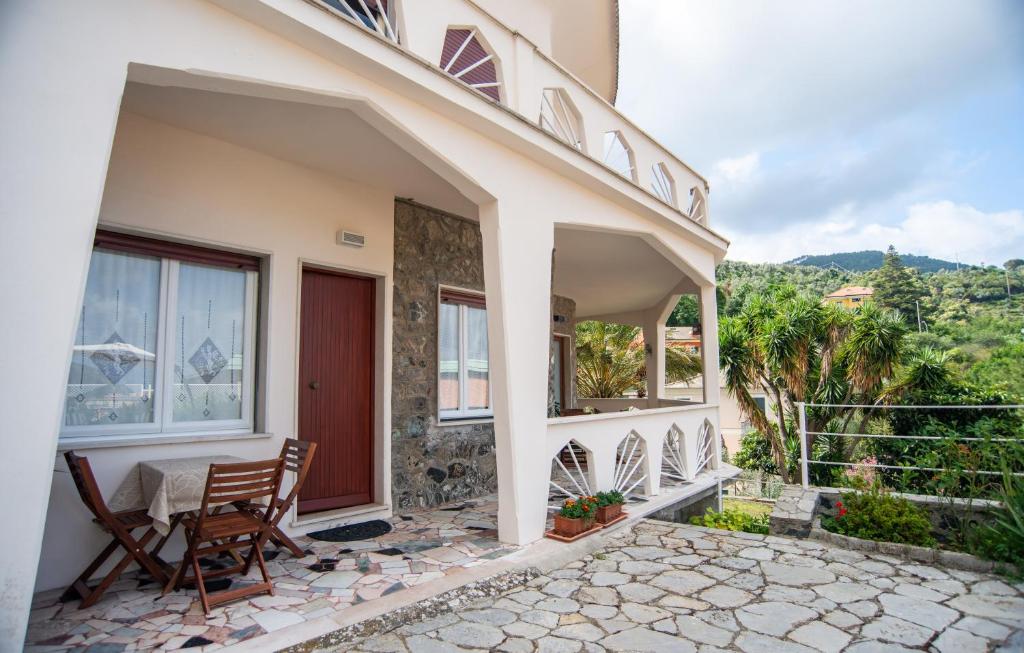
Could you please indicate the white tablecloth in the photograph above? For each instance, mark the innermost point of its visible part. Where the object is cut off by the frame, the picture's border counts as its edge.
(166, 487)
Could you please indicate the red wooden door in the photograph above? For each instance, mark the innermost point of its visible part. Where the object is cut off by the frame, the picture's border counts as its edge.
(336, 388)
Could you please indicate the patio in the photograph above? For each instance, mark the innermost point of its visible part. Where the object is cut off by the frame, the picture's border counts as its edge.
(668, 587)
(421, 547)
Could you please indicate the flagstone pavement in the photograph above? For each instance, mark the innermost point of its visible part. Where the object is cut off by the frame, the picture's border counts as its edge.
(423, 546)
(676, 588)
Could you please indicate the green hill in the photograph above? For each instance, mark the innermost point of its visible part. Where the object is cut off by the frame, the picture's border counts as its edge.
(871, 260)
(964, 312)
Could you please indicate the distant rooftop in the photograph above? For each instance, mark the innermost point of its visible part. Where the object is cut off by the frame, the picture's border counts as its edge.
(853, 291)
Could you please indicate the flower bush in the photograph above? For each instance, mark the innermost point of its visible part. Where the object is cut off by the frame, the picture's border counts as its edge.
(579, 508)
(612, 498)
(862, 474)
(874, 514)
(731, 519)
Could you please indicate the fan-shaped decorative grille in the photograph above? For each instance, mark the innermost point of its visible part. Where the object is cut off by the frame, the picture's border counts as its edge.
(570, 475)
(704, 449)
(371, 14)
(662, 184)
(673, 461)
(559, 116)
(618, 156)
(465, 58)
(629, 460)
(698, 206)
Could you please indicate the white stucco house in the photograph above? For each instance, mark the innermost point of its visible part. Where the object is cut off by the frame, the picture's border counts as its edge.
(368, 223)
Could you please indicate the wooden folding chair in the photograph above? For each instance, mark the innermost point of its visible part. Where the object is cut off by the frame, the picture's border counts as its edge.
(120, 525)
(298, 456)
(228, 483)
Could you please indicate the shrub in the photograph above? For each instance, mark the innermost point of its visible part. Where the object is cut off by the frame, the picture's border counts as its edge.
(877, 515)
(1003, 540)
(731, 519)
(612, 498)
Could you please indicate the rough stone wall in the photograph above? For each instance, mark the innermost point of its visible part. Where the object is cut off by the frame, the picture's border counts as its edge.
(432, 463)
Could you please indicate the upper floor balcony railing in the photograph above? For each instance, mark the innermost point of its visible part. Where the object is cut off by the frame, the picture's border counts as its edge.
(505, 67)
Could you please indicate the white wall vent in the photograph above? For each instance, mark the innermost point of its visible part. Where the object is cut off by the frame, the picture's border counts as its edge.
(352, 239)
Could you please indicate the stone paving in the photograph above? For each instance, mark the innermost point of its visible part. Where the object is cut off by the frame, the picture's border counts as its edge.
(677, 588)
(423, 546)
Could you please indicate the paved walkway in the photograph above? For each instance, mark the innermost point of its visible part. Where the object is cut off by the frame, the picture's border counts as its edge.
(675, 588)
(422, 547)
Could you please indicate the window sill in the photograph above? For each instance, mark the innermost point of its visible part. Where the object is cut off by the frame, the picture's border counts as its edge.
(114, 441)
(463, 421)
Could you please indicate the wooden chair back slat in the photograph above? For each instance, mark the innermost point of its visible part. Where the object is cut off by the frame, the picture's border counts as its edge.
(249, 477)
(262, 481)
(88, 489)
(298, 456)
(295, 453)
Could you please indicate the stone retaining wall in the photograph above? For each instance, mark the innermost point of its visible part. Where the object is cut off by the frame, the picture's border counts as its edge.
(797, 514)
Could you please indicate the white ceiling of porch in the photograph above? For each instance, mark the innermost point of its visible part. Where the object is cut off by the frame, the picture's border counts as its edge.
(332, 140)
(608, 273)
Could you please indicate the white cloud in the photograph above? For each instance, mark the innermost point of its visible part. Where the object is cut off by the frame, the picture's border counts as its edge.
(835, 124)
(941, 229)
(739, 169)
(731, 76)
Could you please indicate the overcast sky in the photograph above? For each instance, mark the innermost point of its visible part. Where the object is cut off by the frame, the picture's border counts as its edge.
(830, 125)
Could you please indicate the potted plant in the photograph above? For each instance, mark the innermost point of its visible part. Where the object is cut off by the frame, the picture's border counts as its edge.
(576, 516)
(609, 506)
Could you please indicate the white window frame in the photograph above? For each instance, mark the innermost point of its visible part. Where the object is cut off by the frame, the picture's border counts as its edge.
(462, 412)
(163, 424)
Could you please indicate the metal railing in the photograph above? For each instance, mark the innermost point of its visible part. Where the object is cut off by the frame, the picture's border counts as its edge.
(805, 461)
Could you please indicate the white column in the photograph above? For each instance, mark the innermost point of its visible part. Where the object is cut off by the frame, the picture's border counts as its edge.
(56, 126)
(654, 331)
(709, 353)
(654, 344)
(709, 343)
(517, 273)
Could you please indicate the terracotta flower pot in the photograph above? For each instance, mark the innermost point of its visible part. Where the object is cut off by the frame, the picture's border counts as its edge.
(571, 526)
(606, 514)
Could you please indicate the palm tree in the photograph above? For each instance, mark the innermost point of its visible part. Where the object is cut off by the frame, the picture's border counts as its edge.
(797, 350)
(610, 361)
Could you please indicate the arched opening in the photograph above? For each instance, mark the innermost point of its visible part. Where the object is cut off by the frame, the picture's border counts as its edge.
(618, 155)
(466, 57)
(375, 15)
(560, 116)
(663, 185)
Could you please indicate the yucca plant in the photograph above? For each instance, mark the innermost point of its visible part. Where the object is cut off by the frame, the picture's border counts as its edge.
(794, 349)
(611, 362)
(1003, 539)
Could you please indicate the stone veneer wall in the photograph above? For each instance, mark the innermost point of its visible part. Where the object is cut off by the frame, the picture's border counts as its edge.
(434, 463)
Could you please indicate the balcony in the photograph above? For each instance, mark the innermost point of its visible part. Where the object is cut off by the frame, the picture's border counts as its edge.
(502, 66)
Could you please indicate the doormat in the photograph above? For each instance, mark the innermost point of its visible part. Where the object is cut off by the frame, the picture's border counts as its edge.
(365, 531)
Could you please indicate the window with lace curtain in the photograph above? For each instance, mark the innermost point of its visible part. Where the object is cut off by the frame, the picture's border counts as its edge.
(165, 341)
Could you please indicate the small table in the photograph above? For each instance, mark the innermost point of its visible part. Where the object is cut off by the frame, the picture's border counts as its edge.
(165, 488)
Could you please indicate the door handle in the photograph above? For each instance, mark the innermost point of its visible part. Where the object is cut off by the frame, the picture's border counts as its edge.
(314, 385)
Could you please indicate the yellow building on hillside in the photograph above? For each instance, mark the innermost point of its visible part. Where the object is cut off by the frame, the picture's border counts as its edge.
(851, 296)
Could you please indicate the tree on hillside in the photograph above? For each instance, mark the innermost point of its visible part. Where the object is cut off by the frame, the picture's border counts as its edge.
(797, 349)
(686, 312)
(897, 287)
(1014, 263)
(610, 361)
